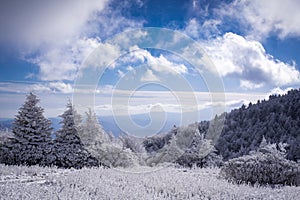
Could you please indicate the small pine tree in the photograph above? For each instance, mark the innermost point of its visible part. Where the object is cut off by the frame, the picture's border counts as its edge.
(200, 153)
(32, 131)
(92, 134)
(70, 151)
(169, 153)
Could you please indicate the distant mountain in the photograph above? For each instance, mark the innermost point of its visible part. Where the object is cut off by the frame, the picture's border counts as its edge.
(109, 124)
(5, 123)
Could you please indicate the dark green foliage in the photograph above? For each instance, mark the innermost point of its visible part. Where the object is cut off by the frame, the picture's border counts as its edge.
(277, 119)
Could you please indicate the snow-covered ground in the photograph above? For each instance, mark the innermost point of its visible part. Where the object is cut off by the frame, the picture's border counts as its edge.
(137, 183)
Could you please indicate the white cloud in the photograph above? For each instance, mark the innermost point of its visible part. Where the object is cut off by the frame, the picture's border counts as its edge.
(120, 73)
(62, 62)
(208, 29)
(59, 35)
(278, 90)
(192, 29)
(265, 17)
(104, 55)
(130, 68)
(29, 76)
(61, 87)
(149, 76)
(39, 87)
(158, 64)
(36, 23)
(247, 60)
(249, 85)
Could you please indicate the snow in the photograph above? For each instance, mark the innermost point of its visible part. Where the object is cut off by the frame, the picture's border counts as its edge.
(165, 182)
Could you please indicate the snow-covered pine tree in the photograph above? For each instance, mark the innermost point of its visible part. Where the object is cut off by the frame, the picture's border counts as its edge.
(32, 135)
(70, 151)
(201, 153)
(92, 134)
(168, 154)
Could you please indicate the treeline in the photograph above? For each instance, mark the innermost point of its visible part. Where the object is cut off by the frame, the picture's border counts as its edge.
(32, 142)
(79, 143)
(277, 120)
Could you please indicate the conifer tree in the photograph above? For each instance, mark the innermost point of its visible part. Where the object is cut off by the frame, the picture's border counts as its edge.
(32, 135)
(92, 132)
(70, 151)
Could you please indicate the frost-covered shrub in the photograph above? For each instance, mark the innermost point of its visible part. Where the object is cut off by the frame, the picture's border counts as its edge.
(113, 155)
(267, 166)
(187, 148)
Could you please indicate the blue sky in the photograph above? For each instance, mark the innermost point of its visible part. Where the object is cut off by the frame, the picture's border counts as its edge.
(254, 46)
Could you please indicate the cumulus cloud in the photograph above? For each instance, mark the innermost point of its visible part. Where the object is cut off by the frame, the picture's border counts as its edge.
(264, 17)
(208, 29)
(60, 87)
(37, 22)
(236, 56)
(149, 76)
(249, 85)
(158, 64)
(62, 62)
(57, 36)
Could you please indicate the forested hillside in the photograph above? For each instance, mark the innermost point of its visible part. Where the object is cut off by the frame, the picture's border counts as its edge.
(277, 119)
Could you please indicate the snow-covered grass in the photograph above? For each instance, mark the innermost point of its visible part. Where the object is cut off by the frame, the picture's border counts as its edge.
(136, 183)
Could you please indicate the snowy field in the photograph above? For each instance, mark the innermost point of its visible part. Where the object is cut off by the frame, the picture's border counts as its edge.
(138, 183)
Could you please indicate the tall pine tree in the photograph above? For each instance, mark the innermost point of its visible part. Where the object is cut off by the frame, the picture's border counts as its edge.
(32, 135)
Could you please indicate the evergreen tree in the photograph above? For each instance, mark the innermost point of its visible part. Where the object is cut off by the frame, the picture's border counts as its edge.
(32, 135)
(70, 151)
(92, 134)
(30, 124)
(200, 153)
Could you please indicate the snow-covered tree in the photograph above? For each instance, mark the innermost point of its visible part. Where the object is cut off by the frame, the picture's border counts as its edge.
(169, 153)
(107, 149)
(114, 155)
(70, 151)
(32, 135)
(92, 133)
(185, 136)
(187, 147)
(30, 122)
(201, 153)
(133, 143)
(265, 166)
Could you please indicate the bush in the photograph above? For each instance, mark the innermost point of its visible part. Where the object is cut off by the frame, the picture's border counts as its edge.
(262, 168)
